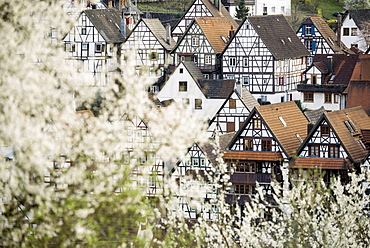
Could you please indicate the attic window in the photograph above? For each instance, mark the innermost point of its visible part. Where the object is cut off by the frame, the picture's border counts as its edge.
(350, 126)
(299, 137)
(195, 41)
(282, 121)
(224, 39)
(362, 144)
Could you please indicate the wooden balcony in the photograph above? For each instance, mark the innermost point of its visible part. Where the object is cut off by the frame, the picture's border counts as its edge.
(324, 88)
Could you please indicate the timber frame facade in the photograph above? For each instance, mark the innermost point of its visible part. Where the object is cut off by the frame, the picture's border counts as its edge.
(152, 44)
(200, 8)
(230, 117)
(93, 44)
(266, 57)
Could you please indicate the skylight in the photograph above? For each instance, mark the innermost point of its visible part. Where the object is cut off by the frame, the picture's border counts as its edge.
(282, 121)
(350, 126)
(299, 137)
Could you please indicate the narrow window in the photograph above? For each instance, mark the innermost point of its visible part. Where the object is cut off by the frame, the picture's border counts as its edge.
(328, 98)
(84, 46)
(257, 124)
(232, 103)
(232, 61)
(230, 127)
(325, 130)
(245, 61)
(207, 59)
(195, 41)
(248, 144)
(336, 98)
(198, 103)
(266, 145)
(313, 79)
(183, 86)
(83, 31)
(281, 80)
(246, 80)
(181, 70)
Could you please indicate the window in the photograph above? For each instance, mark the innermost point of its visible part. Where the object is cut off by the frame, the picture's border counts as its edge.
(83, 30)
(314, 151)
(70, 47)
(263, 167)
(354, 45)
(187, 22)
(325, 130)
(328, 98)
(232, 61)
(181, 70)
(195, 41)
(232, 103)
(98, 47)
(350, 126)
(308, 29)
(245, 61)
(257, 124)
(248, 144)
(85, 46)
(207, 59)
(230, 127)
(198, 8)
(206, 76)
(265, 10)
(336, 98)
(272, 9)
(244, 189)
(313, 79)
(183, 86)
(308, 44)
(195, 161)
(198, 103)
(333, 152)
(281, 80)
(230, 76)
(246, 80)
(195, 58)
(353, 31)
(266, 145)
(245, 167)
(308, 97)
(153, 56)
(282, 9)
(345, 31)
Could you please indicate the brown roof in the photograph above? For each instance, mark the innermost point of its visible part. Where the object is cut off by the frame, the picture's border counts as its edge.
(278, 36)
(217, 88)
(350, 140)
(222, 13)
(343, 66)
(159, 31)
(328, 34)
(214, 28)
(251, 155)
(107, 22)
(358, 93)
(296, 123)
(320, 163)
(314, 115)
(248, 99)
(210, 148)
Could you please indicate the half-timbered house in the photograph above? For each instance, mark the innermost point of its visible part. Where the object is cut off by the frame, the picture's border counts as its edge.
(197, 9)
(262, 148)
(260, 7)
(231, 115)
(202, 42)
(187, 86)
(325, 80)
(93, 44)
(266, 56)
(151, 43)
(194, 176)
(355, 29)
(319, 38)
(333, 146)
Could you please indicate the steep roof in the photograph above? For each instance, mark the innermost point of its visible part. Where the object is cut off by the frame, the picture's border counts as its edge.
(327, 33)
(358, 93)
(350, 140)
(222, 13)
(107, 22)
(193, 69)
(343, 66)
(214, 28)
(210, 147)
(296, 123)
(217, 88)
(159, 31)
(314, 115)
(278, 36)
(248, 99)
(361, 17)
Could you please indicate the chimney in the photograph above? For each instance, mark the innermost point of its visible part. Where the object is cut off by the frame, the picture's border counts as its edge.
(330, 64)
(123, 27)
(231, 32)
(168, 33)
(339, 27)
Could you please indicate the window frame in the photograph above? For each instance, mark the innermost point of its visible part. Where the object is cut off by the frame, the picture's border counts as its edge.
(232, 61)
(314, 151)
(328, 98)
(313, 78)
(248, 144)
(333, 150)
(325, 130)
(195, 41)
(266, 145)
(208, 59)
(198, 103)
(183, 86)
(230, 127)
(346, 31)
(257, 123)
(308, 99)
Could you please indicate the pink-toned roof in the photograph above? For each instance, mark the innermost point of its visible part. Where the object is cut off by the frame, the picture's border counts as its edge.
(320, 163)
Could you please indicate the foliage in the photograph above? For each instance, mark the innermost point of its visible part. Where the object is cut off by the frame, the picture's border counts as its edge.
(241, 10)
(356, 4)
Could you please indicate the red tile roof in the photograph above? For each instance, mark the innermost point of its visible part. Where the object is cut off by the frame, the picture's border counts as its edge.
(251, 155)
(320, 163)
